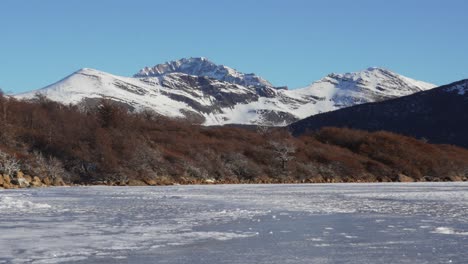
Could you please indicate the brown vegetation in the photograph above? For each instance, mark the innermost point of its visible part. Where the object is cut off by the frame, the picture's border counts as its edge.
(109, 145)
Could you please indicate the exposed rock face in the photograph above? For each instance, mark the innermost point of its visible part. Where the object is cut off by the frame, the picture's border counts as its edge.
(457, 178)
(133, 182)
(210, 181)
(204, 67)
(6, 181)
(25, 181)
(22, 182)
(58, 182)
(47, 181)
(150, 182)
(36, 182)
(28, 178)
(19, 174)
(8, 186)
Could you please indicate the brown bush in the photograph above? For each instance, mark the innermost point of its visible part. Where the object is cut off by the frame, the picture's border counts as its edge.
(108, 143)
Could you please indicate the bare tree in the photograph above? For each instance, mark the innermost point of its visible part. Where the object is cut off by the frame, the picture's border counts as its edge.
(51, 167)
(8, 165)
(145, 158)
(55, 168)
(283, 152)
(263, 129)
(3, 106)
(194, 172)
(238, 165)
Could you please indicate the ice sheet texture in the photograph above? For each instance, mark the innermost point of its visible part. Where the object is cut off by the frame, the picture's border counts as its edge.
(339, 223)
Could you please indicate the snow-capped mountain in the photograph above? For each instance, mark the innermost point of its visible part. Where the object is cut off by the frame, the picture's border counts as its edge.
(438, 115)
(373, 84)
(216, 95)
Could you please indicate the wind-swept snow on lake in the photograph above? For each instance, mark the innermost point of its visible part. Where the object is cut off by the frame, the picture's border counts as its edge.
(339, 223)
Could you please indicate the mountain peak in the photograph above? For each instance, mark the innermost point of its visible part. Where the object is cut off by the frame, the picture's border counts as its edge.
(372, 69)
(369, 85)
(379, 77)
(90, 71)
(85, 70)
(380, 71)
(201, 66)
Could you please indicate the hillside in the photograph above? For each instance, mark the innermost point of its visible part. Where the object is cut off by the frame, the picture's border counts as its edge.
(438, 116)
(109, 145)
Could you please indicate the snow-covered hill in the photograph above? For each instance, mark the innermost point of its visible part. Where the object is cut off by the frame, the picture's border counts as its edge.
(373, 84)
(439, 116)
(216, 95)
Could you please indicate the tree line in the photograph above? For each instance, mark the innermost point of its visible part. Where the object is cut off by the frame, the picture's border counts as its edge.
(108, 144)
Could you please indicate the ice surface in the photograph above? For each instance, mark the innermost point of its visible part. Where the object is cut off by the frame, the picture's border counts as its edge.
(16, 203)
(339, 223)
(449, 231)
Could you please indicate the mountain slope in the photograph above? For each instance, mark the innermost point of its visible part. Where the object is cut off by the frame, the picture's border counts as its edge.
(438, 115)
(87, 85)
(216, 94)
(373, 84)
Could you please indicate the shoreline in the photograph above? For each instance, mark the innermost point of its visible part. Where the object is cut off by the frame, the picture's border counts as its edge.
(232, 183)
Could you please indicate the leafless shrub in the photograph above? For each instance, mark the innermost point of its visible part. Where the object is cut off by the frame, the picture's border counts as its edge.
(8, 165)
(283, 152)
(239, 165)
(145, 158)
(47, 167)
(263, 129)
(194, 172)
(235, 163)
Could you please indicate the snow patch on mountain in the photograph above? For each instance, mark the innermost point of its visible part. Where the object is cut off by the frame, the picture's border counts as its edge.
(372, 84)
(461, 89)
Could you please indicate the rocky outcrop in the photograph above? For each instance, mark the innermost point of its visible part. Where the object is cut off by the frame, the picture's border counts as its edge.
(22, 183)
(404, 178)
(150, 182)
(5, 181)
(58, 182)
(47, 181)
(458, 178)
(20, 180)
(36, 182)
(133, 182)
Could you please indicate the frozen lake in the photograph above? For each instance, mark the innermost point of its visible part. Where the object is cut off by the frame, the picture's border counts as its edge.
(339, 223)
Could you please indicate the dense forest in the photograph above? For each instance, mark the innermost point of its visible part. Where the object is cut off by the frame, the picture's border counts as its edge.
(44, 141)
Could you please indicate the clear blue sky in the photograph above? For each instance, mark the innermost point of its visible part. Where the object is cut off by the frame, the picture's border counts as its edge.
(289, 42)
